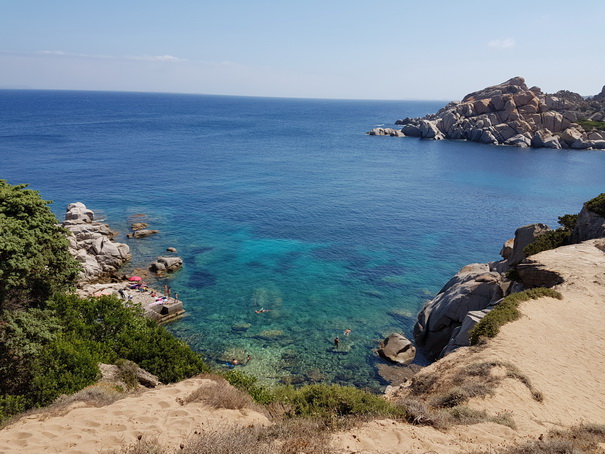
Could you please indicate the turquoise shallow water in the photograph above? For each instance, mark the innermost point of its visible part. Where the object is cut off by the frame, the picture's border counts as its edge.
(286, 205)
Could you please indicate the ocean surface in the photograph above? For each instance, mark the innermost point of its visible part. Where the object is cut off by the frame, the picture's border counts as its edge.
(286, 205)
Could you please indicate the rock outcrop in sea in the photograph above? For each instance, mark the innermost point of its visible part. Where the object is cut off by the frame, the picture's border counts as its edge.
(444, 323)
(513, 114)
(91, 243)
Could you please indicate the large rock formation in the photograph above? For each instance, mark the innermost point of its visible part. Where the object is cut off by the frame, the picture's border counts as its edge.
(92, 245)
(513, 114)
(473, 288)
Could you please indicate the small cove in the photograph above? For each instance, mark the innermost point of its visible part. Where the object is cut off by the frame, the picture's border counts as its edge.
(286, 205)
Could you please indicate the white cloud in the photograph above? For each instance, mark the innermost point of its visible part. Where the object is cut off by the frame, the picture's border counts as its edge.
(166, 58)
(502, 43)
(158, 58)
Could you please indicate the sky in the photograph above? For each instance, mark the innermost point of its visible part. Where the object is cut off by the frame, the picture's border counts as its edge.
(381, 49)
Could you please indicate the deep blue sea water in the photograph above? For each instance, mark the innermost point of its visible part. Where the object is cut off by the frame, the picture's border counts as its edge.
(285, 204)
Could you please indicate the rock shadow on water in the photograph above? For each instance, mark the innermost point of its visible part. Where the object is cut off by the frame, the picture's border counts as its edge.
(286, 261)
(201, 278)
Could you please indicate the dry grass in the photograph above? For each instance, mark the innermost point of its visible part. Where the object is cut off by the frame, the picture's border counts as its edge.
(220, 394)
(584, 439)
(457, 385)
(438, 399)
(284, 437)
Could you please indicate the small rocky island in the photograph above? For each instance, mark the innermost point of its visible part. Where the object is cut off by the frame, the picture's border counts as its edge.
(513, 114)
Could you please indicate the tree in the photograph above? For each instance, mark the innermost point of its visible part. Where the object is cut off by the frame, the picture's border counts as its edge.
(35, 261)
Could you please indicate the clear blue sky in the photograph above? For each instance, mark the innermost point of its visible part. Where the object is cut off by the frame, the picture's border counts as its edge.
(382, 49)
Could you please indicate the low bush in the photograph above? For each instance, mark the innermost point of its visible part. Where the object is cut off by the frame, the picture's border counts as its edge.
(321, 400)
(45, 353)
(507, 311)
(597, 205)
(548, 240)
(590, 125)
(249, 384)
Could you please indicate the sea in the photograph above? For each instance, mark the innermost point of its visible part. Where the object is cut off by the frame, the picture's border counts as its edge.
(287, 206)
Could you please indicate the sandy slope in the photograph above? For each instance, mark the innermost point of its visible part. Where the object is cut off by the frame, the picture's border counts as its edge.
(558, 344)
(154, 414)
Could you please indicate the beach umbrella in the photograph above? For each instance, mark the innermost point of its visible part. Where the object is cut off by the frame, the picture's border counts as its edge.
(135, 278)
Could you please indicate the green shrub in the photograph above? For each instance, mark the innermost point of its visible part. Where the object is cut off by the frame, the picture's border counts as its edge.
(549, 240)
(11, 405)
(35, 261)
(47, 353)
(248, 383)
(67, 366)
(323, 400)
(568, 221)
(507, 311)
(589, 125)
(597, 205)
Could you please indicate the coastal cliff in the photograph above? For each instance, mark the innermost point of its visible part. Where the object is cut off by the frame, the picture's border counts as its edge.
(513, 114)
(444, 323)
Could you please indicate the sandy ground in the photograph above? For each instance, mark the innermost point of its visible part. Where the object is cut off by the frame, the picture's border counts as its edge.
(557, 344)
(155, 415)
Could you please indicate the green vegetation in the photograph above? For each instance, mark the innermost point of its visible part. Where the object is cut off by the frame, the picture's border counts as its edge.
(589, 125)
(554, 238)
(326, 401)
(548, 240)
(318, 400)
(45, 353)
(52, 341)
(35, 261)
(507, 311)
(597, 205)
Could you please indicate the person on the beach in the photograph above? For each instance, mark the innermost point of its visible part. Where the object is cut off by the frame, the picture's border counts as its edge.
(347, 331)
(248, 359)
(336, 342)
(235, 362)
(261, 310)
(165, 291)
(176, 297)
(168, 292)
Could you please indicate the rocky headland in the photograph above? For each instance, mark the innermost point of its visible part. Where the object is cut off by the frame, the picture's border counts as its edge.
(513, 114)
(444, 322)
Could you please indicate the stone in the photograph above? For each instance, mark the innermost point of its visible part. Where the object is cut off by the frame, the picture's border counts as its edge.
(77, 211)
(461, 335)
(524, 236)
(166, 264)
(143, 233)
(397, 348)
(139, 226)
(507, 248)
(473, 288)
(90, 242)
(589, 225)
